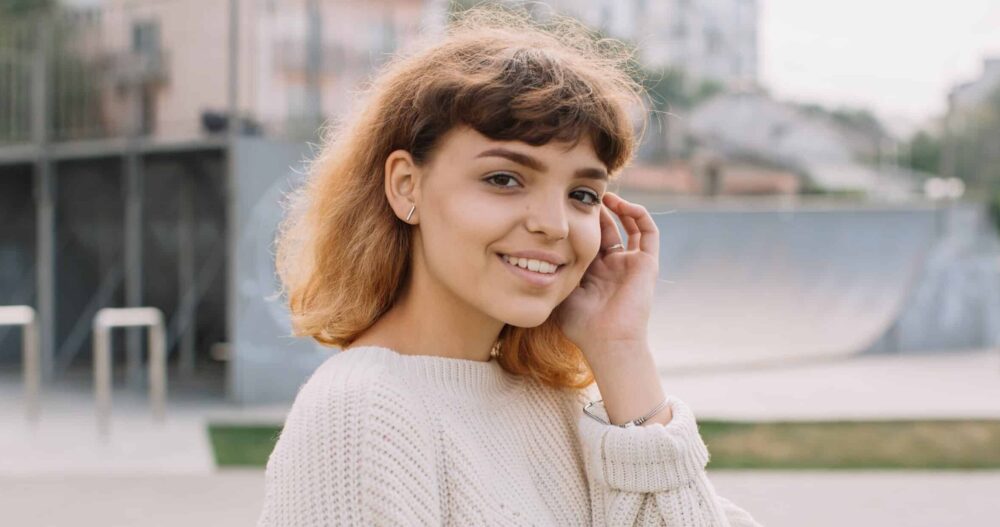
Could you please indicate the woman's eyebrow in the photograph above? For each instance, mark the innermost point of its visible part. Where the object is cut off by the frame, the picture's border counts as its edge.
(537, 165)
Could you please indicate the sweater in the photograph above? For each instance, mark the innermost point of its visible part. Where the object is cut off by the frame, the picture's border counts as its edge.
(375, 437)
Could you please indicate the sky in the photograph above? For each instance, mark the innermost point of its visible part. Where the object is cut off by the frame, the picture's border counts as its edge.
(898, 58)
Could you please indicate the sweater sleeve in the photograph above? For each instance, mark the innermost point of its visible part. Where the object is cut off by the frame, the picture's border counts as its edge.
(653, 474)
(352, 452)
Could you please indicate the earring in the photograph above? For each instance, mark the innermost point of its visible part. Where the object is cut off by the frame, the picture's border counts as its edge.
(495, 352)
(411, 213)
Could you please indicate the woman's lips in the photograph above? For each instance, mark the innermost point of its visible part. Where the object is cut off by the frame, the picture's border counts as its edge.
(532, 277)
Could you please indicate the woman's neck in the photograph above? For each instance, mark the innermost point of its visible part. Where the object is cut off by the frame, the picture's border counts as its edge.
(433, 324)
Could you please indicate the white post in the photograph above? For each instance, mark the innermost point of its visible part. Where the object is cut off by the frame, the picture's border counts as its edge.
(108, 318)
(24, 316)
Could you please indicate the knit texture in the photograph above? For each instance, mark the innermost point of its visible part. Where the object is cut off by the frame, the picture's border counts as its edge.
(376, 437)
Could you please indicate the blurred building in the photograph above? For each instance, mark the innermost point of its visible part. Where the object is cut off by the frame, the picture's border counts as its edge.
(968, 96)
(970, 127)
(828, 155)
(707, 39)
(120, 187)
(137, 170)
(706, 174)
(163, 65)
(967, 99)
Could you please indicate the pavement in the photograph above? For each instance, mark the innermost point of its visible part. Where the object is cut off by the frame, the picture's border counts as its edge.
(906, 498)
(773, 498)
(153, 473)
(64, 439)
(222, 499)
(955, 384)
(943, 385)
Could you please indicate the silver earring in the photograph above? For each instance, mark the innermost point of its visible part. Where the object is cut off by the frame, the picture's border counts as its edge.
(414, 207)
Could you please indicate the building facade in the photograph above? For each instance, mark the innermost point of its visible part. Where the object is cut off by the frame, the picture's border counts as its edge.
(707, 39)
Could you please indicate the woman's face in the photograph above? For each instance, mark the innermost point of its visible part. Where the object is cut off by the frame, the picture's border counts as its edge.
(481, 199)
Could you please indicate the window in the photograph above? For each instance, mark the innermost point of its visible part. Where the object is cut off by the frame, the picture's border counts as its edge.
(146, 37)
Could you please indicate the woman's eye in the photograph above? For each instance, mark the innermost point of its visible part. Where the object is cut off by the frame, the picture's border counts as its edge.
(499, 179)
(596, 200)
(502, 177)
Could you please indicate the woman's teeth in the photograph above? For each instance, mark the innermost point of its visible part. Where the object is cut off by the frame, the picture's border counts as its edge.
(532, 265)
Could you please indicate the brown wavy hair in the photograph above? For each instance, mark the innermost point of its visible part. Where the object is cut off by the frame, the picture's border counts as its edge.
(343, 255)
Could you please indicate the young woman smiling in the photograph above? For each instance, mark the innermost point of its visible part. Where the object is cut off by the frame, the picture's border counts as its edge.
(455, 238)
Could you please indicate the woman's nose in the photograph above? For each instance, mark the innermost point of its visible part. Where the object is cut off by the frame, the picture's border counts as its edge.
(549, 217)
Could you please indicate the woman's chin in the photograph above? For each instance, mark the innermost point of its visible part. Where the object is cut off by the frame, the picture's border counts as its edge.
(525, 318)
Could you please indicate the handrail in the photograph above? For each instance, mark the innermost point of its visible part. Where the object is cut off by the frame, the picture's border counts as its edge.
(24, 316)
(108, 318)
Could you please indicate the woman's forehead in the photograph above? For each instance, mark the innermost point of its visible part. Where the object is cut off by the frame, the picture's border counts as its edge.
(467, 146)
(469, 143)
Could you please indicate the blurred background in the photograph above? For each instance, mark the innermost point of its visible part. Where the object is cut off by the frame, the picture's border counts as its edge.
(825, 176)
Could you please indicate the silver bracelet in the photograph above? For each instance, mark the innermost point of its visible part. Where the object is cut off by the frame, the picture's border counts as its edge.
(630, 424)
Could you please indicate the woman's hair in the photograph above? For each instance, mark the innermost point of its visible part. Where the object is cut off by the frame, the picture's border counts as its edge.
(343, 255)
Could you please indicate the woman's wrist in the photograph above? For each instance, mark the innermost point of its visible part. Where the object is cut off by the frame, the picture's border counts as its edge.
(656, 415)
(662, 416)
(629, 382)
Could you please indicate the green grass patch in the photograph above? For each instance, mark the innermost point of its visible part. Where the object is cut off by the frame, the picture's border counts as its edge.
(242, 445)
(920, 444)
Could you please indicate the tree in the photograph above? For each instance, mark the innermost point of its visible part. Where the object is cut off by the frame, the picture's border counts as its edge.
(24, 7)
(671, 88)
(924, 153)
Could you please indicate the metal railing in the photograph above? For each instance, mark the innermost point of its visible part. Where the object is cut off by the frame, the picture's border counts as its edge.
(108, 318)
(110, 70)
(24, 316)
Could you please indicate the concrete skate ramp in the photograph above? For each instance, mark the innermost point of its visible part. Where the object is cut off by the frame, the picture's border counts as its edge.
(741, 285)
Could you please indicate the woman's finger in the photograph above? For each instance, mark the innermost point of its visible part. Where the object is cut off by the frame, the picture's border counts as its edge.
(649, 234)
(634, 235)
(610, 234)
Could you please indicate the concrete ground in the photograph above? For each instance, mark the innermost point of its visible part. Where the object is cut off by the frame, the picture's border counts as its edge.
(773, 498)
(65, 439)
(59, 472)
(222, 499)
(863, 498)
(953, 384)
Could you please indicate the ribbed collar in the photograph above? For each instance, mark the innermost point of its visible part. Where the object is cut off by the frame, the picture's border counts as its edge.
(462, 377)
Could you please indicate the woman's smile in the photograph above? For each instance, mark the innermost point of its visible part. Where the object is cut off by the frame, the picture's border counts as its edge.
(539, 278)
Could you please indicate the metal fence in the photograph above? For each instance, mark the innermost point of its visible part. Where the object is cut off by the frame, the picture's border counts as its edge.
(163, 69)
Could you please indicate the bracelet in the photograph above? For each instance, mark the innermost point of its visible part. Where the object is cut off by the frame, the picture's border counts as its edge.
(630, 424)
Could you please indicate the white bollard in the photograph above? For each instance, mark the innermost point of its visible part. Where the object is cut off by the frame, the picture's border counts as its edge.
(108, 318)
(24, 316)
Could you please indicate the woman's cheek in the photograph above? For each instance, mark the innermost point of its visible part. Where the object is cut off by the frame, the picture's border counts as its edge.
(592, 239)
(587, 245)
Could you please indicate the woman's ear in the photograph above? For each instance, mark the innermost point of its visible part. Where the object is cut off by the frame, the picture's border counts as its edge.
(402, 185)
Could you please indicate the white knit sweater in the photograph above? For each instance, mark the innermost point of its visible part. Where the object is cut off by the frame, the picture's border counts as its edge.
(376, 437)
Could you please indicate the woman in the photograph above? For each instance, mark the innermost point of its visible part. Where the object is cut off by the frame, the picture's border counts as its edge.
(455, 239)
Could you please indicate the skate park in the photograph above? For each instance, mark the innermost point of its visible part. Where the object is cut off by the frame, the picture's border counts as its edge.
(140, 313)
(834, 311)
